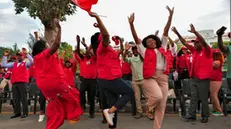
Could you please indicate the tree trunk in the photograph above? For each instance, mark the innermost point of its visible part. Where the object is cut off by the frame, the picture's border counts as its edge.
(50, 35)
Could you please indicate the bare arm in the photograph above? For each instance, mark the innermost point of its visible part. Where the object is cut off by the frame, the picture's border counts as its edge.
(166, 28)
(56, 44)
(201, 39)
(133, 30)
(102, 28)
(221, 46)
(121, 45)
(180, 37)
(78, 47)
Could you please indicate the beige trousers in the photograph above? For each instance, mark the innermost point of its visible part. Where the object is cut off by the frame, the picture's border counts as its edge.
(4, 83)
(156, 89)
(137, 87)
(214, 89)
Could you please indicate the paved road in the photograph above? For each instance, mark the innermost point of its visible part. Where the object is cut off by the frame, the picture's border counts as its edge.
(125, 122)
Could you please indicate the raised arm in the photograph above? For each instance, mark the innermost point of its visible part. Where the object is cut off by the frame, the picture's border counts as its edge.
(127, 47)
(133, 30)
(4, 60)
(78, 47)
(56, 44)
(84, 43)
(102, 28)
(173, 47)
(121, 44)
(201, 39)
(221, 46)
(167, 27)
(180, 37)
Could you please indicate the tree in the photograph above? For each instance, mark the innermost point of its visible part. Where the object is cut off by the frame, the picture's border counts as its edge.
(46, 11)
(66, 47)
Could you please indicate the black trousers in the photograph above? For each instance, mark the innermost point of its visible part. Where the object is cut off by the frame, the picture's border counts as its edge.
(88, 85)
(19, 94)
(111, 89)
(42, 102)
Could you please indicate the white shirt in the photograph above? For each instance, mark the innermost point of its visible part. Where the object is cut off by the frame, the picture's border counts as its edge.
(160, 59)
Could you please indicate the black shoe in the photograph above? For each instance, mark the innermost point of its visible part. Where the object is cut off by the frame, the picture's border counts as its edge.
(15, 116)
(24, 116)
(204, 120)
(91, 116)
(189, 119)
(104, 121)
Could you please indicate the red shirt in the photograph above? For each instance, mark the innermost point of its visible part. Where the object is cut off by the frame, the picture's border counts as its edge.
(32, 71)
(202, 63)
(126, 69)
(49, 71)
(69, 72)
(81, 65)
(20, 73)
(90, 71)
(217, 73)
(108, 63)
(8, 73)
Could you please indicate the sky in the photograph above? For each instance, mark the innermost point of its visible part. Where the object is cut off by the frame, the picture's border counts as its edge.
(150, 15)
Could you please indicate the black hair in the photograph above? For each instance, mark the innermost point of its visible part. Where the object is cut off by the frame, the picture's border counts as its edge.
(38, 47)
(156, 38)
(95, 42)
(68, 61)
(134, 48)
(180, 53)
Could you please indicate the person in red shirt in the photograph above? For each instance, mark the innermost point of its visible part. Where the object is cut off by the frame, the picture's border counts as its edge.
(156, 69)
(202, 66)
(183, 66)
(89, 74)
(7, 76)
(19, 80)
(69, 67)
(216, 81)
(63, 101)
(109, 74)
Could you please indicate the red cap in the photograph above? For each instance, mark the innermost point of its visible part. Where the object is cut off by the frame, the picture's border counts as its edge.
(21, 54)
(115, 40)
(215, 50)
(13, 57)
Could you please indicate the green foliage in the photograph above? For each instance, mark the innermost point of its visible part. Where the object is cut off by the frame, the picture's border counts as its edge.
(12, 50)
(46, 10)
(65, 47)
(215, 45)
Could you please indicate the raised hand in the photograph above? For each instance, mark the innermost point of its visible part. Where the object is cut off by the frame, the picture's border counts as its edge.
(174, 30)
(93, 14)
(192, 28)
(24, 50)
(83, 41)
(6, 53)
(56, 22)
(157, 32)
(131, 18)
(171, 11)
(127, 46)
(77, 39)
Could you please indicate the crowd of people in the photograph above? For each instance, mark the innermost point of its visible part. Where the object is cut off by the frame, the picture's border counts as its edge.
(139, 68)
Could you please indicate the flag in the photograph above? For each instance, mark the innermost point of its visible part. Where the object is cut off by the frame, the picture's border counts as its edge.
(85, 4)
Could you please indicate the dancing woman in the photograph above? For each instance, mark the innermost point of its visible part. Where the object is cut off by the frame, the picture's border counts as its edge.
(156, 68)
(109, 74)
(63, 100)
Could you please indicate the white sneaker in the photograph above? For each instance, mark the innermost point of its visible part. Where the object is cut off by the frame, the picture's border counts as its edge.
(109, 117)
(41, 118)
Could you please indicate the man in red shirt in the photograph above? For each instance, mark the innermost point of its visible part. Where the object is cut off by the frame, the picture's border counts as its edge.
(202, 66)
(89, 74)
(19, 79)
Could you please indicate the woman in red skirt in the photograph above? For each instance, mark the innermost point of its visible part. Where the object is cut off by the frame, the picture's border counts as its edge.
(63, 100)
